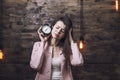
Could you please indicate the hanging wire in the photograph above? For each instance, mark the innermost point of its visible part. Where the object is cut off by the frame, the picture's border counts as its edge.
(1, 29)
(81, 17)
(81, 41)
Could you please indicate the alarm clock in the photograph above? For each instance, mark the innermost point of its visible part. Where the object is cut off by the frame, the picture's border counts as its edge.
(46, 29)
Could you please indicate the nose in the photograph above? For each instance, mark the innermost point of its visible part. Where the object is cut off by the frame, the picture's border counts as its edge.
(59, 31)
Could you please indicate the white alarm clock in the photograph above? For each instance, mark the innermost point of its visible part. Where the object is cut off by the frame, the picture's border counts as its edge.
(46, 29)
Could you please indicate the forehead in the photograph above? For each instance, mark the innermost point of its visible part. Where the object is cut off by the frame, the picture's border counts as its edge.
(60, 24)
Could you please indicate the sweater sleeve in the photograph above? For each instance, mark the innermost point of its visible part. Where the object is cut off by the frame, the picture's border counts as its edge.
(37, 55)
(76, 57)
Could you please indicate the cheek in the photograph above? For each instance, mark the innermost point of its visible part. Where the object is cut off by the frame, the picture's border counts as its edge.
(53, 32)
(61, 36)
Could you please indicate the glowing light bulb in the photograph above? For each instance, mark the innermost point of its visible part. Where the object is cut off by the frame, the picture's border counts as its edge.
(1, 54)
(116, 5)
(81, 45)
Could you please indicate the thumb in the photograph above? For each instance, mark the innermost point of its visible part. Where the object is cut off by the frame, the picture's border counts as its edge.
(70, 35)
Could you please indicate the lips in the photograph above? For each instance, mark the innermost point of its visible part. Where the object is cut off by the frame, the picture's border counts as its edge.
(56, 35)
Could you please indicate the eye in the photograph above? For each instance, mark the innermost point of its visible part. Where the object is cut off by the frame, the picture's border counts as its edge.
(57, 27)
(63, 31)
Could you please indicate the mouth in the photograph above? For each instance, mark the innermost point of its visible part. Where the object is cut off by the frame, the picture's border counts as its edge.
(56, 35)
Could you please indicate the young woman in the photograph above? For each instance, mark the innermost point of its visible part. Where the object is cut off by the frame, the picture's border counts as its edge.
(53, 56)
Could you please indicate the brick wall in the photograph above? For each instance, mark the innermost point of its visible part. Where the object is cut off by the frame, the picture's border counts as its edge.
(97, 19)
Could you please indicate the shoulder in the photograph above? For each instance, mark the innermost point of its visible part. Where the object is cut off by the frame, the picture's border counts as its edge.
(36, 43)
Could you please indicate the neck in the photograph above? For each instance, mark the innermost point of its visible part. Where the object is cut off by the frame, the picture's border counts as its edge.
(54, 42)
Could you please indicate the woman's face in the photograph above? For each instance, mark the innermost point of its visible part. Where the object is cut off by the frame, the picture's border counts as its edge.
(58, 30)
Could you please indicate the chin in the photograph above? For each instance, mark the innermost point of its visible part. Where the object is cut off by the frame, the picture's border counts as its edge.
(54, 36)
(57, 38)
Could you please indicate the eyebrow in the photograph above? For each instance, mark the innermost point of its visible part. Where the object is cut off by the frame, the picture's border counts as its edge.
(60, 27)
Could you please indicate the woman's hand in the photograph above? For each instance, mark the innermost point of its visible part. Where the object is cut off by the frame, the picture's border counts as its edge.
(70, 36)
(41, 35)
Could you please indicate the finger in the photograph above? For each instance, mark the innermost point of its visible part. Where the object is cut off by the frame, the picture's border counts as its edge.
(70, 35)
(41, 35)
(39, 30)
(48, 36)
(41, 38)
(70, 29)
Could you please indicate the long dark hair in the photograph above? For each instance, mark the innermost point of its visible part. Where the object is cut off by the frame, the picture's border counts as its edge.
(65, 42)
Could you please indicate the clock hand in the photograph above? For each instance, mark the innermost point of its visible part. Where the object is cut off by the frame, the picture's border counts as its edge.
(45, 29)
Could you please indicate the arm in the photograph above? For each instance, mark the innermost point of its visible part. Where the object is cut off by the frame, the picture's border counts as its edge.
(37, 55)
(76, 57)
(38, 51)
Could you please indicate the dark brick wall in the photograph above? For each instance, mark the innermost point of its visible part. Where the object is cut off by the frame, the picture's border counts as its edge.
(97, 19)
(1, 25)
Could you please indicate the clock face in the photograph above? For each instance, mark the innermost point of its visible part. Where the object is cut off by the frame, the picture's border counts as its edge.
(46, 29)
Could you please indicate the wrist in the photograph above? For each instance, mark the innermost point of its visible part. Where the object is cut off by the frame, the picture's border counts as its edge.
(72, 42)
(43, 43)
